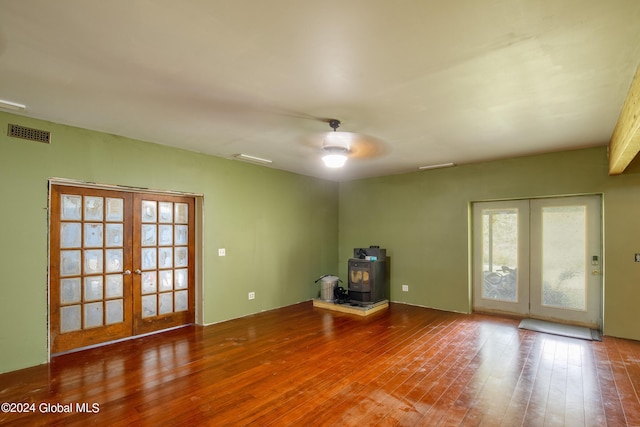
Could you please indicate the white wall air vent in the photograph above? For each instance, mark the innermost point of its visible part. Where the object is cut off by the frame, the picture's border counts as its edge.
(17, 131)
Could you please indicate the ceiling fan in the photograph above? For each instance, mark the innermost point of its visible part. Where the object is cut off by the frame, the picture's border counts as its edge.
(337, 146)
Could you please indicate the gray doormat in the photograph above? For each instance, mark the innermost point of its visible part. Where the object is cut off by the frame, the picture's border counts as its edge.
(560, 329)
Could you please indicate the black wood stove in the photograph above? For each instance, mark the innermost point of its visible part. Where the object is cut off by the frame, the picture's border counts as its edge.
(368, 274)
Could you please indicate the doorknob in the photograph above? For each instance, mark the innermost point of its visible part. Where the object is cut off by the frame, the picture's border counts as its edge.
(127, 272)
(137, 271)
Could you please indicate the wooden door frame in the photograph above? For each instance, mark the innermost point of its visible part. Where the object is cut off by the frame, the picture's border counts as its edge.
(198, 266)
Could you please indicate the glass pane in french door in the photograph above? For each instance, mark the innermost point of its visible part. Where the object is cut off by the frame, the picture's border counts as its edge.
(500, 254)
(90, 283)
(163, 261)
(563, 257)
(500, 269)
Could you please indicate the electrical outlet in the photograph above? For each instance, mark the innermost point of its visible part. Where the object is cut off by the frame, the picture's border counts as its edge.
(222, 252)
(252, 295)
(405, 288)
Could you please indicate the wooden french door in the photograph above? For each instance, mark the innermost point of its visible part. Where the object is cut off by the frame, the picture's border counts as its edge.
(121, 264)
(163, 261)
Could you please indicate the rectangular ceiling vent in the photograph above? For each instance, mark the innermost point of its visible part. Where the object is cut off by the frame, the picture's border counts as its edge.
(17, 131)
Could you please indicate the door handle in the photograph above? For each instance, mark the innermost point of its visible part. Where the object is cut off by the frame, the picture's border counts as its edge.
(137, 271)
(127, 272)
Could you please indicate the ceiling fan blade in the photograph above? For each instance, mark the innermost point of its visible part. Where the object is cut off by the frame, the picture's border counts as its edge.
(360, 146)
(366, 147)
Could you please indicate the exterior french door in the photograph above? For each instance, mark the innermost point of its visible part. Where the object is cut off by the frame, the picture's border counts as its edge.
(539, 258)
(500, 256)
(121, 264)
(566, 254)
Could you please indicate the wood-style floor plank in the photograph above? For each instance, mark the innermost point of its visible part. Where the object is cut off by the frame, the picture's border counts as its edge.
(307, 366)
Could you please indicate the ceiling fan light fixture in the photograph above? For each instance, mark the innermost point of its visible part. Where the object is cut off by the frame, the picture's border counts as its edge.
(335, 157)
(335, 147)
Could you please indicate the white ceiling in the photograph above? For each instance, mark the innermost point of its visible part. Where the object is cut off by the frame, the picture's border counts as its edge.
(431, 81)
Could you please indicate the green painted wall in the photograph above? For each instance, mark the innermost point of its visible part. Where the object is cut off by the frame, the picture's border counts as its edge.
(422, 219)
(280, 230)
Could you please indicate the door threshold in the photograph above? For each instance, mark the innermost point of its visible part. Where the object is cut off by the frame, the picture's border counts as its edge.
(88, 347)
(571, 331)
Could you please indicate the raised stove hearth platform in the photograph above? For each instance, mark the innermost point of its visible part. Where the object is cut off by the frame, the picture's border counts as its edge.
(351, 309)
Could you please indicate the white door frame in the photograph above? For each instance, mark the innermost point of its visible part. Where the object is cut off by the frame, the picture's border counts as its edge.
(529, 260)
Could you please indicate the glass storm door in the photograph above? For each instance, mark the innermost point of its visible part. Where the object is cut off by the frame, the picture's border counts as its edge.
(110, 261)
(539, 258)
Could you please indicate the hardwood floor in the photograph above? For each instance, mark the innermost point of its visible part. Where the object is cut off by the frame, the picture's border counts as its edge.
(301, 366)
